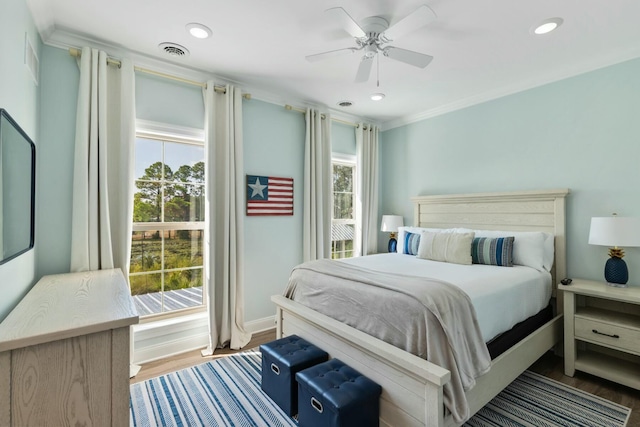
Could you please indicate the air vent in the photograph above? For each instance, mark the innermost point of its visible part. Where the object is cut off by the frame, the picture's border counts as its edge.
(173, 49)
(345, 103)
(31, 59)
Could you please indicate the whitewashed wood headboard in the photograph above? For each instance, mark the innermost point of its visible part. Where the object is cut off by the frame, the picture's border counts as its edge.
(512, 211)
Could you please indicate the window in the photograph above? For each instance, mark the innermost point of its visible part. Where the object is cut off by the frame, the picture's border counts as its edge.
(343, 221)
(167, 268)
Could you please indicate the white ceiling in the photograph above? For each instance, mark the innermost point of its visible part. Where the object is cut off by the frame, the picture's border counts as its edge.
(481, 49)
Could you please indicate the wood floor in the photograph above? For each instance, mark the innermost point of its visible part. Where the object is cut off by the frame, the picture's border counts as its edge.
(192, 358)
(548, 365)
(552, 366)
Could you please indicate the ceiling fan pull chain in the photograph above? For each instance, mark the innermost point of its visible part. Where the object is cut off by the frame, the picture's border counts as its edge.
(378, 71)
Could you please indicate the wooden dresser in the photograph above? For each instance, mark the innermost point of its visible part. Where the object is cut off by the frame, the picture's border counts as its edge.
(64, 352)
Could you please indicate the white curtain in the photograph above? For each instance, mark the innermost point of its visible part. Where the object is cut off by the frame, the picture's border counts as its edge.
(225, 189)
(102, 177)
(367, 167)
(318, 187)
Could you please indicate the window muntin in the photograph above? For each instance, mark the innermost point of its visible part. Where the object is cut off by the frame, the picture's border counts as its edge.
(343, 220)
(167, 244)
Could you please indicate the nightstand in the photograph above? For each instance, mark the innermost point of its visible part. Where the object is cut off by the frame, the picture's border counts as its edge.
(602, 331)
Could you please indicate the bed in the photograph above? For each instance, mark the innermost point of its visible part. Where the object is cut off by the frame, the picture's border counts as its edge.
(412, 386)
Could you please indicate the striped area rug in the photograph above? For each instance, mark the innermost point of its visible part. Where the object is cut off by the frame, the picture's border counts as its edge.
(533, 400)
(223, 392)
(226, 392)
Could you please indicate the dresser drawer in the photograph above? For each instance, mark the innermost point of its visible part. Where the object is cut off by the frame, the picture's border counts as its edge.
(620, 337)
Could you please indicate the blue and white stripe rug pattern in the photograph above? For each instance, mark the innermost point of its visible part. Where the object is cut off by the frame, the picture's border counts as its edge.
(533, 400)
(226, 392)
(223, 392)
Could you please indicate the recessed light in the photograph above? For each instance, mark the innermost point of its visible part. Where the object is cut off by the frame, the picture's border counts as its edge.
(377, 96)
(199, 31)
(547, 26)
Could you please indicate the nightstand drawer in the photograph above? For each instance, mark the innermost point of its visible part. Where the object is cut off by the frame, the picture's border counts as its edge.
(620, 337)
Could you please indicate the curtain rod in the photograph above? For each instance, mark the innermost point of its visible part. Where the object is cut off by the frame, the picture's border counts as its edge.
(300, 110)
(110, 61)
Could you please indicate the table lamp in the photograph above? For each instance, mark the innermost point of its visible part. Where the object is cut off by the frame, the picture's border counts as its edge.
(390, 224)
(615, 231)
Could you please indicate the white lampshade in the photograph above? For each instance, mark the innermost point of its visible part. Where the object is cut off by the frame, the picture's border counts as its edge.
(615, 231)
(390, 223)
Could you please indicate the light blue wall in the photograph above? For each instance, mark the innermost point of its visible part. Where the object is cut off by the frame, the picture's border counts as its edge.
(273, 146)
(59, 89)
(20, 96)
(582, 133)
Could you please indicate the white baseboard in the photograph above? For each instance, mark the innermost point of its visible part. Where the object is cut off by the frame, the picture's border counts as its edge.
(166, 338)
(260, 325)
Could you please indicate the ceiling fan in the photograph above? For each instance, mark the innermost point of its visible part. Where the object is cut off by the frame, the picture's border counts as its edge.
(373, 35)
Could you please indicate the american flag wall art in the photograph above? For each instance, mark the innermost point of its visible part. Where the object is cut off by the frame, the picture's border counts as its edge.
(268, 195)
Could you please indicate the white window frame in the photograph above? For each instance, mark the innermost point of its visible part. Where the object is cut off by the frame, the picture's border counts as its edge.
(346, 160)
(174, 134)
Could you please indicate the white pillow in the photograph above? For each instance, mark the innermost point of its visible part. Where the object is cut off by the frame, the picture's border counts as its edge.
(447, 247)
(530, 248)
(549, 250)
(403, 230)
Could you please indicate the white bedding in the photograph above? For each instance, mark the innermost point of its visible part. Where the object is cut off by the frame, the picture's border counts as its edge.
(501, 296)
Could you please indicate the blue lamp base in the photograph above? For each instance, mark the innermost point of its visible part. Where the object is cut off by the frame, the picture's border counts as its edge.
(393, 245)
(616, 272)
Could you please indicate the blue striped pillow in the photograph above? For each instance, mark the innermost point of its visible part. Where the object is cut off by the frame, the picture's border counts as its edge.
(411, 243)
(493, 251)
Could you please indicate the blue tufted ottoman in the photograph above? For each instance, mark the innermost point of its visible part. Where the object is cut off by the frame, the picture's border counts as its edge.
(281, 359)
(334, 394)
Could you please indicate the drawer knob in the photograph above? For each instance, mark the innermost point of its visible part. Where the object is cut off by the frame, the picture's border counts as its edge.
(595, 331)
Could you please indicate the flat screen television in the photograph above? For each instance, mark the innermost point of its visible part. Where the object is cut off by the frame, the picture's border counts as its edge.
(17, 189)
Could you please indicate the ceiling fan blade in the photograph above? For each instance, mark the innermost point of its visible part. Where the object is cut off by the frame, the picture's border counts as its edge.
(347, 22)
(421, 17)
(408, 56)
(364, 70)
(330, 54)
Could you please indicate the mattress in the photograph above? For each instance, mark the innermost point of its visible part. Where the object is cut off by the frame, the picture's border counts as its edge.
(501, 296)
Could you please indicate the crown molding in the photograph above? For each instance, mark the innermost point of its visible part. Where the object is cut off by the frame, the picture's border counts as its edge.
(64, 39)
(565, 73)
(272, 98)
(61, 38)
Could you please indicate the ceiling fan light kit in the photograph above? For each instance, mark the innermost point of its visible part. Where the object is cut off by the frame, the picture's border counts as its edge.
(372, 36)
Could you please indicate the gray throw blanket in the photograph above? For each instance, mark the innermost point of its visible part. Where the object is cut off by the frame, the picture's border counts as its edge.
(430, 318)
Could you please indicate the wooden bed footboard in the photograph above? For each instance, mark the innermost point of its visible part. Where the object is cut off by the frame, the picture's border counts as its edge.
(412, 388)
